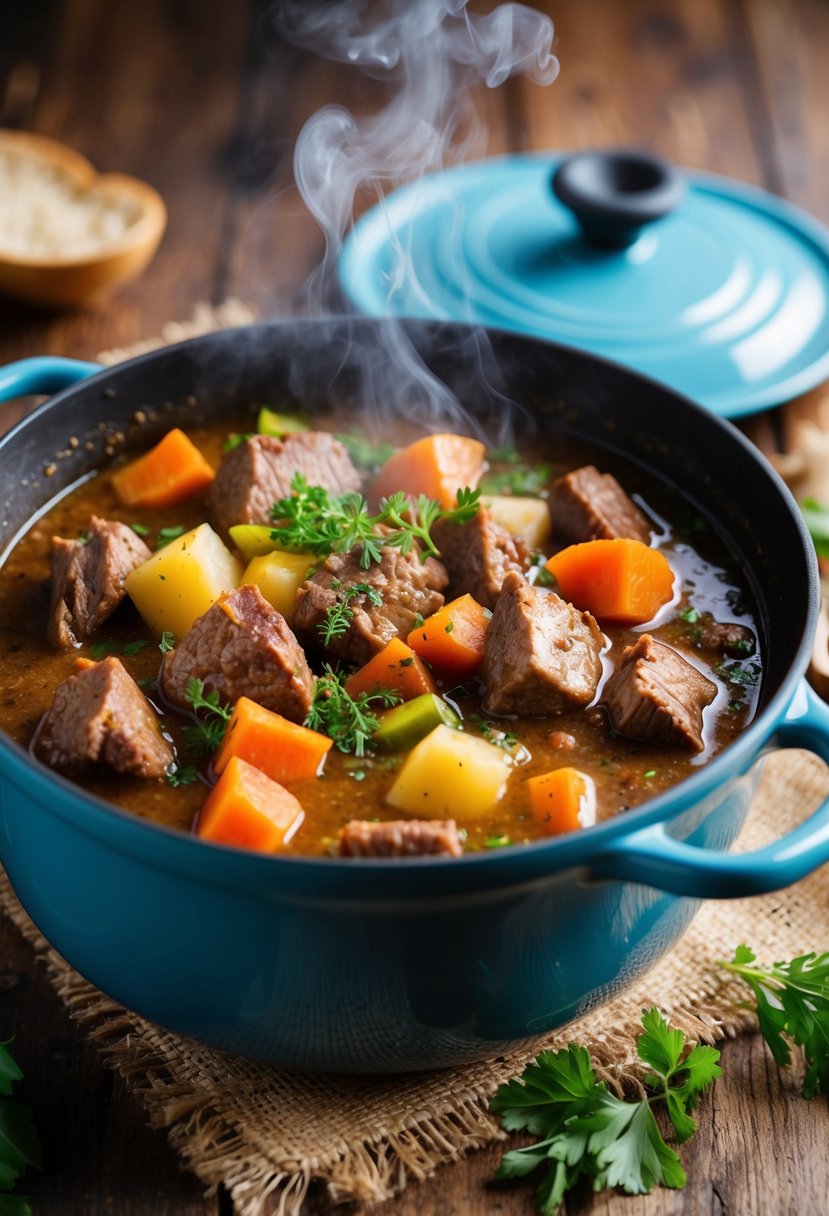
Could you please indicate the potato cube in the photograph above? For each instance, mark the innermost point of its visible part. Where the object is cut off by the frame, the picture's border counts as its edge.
(449, 775)
(279, 576)
(182, 580)
(527, 517)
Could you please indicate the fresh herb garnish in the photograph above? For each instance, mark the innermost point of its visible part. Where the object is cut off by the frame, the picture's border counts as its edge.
(449, 627)
(314, 521)
(182, 774)
(165, 535)
(506, 455)
(168, 641)
(739, 674)
(497, 842)
(141, 529)
(366, 455)
(340, 615)
(207, 734)
(526, 482)
(689, 614)
(236, 440)
(817, 521)
(19, 1144)
(586, 1131)
(792, 1004)
(545, 578)
(505, 739)
(650, 773)
(349, 721)
(100, 650)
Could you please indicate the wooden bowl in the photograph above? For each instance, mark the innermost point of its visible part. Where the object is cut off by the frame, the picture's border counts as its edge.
(75, 278)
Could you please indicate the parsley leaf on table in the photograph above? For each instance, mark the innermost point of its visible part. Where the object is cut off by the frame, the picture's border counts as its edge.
(314, 521)
(19, 1146)
(585, 1131)
(792, 1004)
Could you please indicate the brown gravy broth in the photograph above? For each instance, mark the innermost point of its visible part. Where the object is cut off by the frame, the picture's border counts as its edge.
(625, 772)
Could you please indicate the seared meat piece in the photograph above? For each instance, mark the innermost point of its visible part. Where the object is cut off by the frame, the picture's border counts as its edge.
(101, 716)
(589, 505)
(88, 579)
(242, 647)
(406, 585)
(730, 638)
(478, 556)
(259, 472)
(542, 654)
(656, 695)
(400, 838)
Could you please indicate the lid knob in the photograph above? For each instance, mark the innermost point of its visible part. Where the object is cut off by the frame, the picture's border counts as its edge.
(613, 195)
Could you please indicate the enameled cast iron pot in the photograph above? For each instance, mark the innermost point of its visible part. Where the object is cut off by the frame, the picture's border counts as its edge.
(379, 966)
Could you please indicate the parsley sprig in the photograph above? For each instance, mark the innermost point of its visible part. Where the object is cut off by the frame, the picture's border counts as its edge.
(312, 520)
(349, 721)
(792, 1005)
(209, 730)
(340, 615)
(585, 1131)
(19, 1145)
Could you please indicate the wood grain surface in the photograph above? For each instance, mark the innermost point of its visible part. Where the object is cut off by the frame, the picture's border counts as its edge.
(201, 98)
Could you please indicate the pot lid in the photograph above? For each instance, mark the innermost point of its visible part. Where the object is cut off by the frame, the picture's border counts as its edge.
(717, 289)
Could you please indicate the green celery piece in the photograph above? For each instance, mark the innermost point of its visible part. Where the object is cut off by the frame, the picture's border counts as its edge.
(253, 540)
(405, 725)
(270, 422)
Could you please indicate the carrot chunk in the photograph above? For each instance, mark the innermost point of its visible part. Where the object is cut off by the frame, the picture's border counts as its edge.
(563, 800)
(282, 750)
(248, 810)
(617, 580)
(437, 466)
(397, 667)
(452, 640)
(170, 472)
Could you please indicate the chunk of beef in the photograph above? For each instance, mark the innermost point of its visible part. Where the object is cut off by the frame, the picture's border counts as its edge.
(589, 505)
(259, 472)
(478, 556)
(656, 695)
(88, 579)
(407, 586)
(242, 647)
(726, 638)
(100, 716)
(401, 838)
(542, 655)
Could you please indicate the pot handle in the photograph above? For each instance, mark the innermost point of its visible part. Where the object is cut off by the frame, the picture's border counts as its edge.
(42, 374)
(652, 857)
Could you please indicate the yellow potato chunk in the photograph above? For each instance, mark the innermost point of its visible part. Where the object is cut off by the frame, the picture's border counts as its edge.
(527, 517)
(449, 775)
(252, 540)
(279, 576)
(182, 580)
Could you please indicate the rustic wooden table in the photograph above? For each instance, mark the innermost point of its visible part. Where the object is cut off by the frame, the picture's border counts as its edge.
(200, 97)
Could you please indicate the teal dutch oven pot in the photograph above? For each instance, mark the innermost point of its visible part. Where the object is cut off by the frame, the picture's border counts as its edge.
(389, 965)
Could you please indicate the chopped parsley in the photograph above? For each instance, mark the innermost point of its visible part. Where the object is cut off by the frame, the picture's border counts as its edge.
(522, 482)
(165, 535)
(314, 521)
(180, 774)
(689, 614)
(140, 529)
(505, 739)
(349, 721)
(366, 455)
(235, 441)
(100, 650)
(208, 732)
(340, 615)
(497, 842)
(168, 641)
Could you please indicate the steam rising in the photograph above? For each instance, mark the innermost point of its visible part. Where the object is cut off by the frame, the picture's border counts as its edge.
(430, 53)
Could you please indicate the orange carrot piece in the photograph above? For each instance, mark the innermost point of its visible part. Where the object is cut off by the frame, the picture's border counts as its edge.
(170, 472)
(282, 750)
(616, 580)
(437, 466)
(396, 666)
(563, 800)
(248, 810)
(452, 640)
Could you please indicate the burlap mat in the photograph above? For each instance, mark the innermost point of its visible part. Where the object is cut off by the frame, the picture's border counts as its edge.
(266, 1134)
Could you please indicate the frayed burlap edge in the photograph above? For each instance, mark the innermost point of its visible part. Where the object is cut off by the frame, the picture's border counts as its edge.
(449, 1111)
